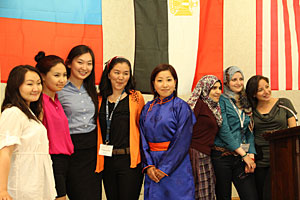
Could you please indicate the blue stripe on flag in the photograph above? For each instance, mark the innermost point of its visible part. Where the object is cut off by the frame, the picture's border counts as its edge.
(61, 11)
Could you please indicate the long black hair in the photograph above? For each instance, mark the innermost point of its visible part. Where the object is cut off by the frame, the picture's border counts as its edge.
(105, 84)
(88, 82)
(12, 93)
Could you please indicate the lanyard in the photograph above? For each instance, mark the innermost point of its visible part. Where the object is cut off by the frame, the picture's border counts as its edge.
(109, 117)
(242, 118)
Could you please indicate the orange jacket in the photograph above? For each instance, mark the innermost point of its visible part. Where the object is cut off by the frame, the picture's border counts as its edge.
(136, 104)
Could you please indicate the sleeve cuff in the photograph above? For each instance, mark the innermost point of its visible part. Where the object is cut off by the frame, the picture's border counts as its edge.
(9, 141)
(147, 167)
(163, 172)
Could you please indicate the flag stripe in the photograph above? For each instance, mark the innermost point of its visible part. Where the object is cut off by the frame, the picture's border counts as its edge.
(183, 41)
(266, 50)
(151, 40)
(66, 11)
(281, 48)
(294, 46)
(22, 39)
(277, 42)
(259, 12)
(274, 46)
(297, 25)
(210, 45)
(287, 42)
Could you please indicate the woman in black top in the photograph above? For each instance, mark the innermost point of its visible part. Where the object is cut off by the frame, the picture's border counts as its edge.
(120, 107)
(269, 114)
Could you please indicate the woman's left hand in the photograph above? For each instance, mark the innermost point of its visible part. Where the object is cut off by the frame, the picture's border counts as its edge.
(250, 164)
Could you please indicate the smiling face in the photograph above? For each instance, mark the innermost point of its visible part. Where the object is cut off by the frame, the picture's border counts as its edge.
(264, 92)
(81, 67)
(164, 84)
(56, 78)
(31, 88)
(119, 76)
(215, 92)
(236, 84)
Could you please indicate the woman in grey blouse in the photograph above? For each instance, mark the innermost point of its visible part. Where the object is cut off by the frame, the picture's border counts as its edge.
(80, 102)
(269, 114)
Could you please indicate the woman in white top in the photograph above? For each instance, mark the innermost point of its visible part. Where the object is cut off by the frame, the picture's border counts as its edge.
(26, 167)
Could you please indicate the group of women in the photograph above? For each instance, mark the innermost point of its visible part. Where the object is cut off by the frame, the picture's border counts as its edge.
(228, 144)
(59, 137)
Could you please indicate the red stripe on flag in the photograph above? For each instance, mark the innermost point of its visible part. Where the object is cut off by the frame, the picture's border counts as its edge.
(259, 20)
(210, 46)
(274, 46)
(297, 25)
(22, 39)
(288, 48)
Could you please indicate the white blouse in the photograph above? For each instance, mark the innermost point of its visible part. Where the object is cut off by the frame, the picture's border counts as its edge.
(31, 174)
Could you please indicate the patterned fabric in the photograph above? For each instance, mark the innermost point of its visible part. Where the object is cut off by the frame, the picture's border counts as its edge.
(202, 91)
(204, 175)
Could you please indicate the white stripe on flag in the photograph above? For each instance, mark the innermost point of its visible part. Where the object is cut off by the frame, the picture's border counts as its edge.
(293, 44)
(281, 48)
(183, 43)
(266, 35)
(282, 39)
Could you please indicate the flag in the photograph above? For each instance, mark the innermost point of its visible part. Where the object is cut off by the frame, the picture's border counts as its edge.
(52, 26)
(278, 42)
(186, 34)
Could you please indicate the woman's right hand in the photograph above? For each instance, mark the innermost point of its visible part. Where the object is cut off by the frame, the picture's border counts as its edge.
(151, 173)
(5, 196)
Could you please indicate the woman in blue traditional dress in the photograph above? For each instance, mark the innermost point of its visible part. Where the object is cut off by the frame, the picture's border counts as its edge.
(166, 126)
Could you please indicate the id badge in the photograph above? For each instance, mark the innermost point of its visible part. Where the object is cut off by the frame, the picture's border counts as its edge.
(245, 147)
(105, 150)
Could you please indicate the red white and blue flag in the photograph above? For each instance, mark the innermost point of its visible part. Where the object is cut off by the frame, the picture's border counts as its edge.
(278, 42)
(52, 26)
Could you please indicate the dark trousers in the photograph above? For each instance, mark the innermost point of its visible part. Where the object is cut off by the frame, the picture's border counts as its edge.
(120, 181)
(82, 181)
(230, 169)
(263, 182)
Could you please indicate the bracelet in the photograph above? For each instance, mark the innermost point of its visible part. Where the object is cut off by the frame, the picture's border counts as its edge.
(244, 155)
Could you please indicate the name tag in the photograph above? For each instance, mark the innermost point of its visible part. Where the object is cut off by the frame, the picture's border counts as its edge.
(245, 147)
(105, 150)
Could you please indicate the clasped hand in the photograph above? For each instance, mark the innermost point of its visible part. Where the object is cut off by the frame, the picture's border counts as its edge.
(250, 165)
(155, 174)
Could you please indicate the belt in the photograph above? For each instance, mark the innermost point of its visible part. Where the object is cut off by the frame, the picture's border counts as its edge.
(160, 146)
(121, 151)
(225, 152)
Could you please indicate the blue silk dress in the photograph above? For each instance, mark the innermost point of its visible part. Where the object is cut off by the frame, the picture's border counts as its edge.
(168, 120)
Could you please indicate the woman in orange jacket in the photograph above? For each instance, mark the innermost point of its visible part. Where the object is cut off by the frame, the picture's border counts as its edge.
(118, 131)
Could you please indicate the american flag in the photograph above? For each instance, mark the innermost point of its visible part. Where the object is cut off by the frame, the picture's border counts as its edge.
(278, 42)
